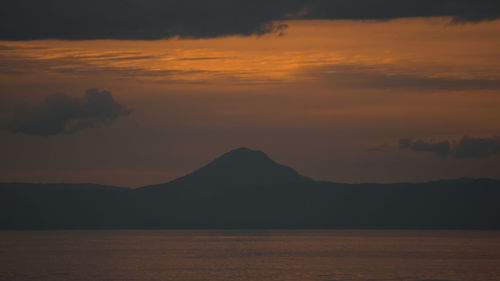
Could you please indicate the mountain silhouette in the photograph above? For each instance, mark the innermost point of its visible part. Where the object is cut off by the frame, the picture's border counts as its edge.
(238, 168)
(244, 188)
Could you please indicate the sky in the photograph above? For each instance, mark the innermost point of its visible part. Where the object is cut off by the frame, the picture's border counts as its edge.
(132, 93)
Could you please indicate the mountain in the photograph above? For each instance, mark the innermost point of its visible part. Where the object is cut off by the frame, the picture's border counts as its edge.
(244, 188)
(239, 168)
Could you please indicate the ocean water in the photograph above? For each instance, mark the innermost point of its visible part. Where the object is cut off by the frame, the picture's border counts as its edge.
(345, 255)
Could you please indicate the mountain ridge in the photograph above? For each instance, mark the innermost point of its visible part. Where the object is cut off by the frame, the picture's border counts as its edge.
(244, 188)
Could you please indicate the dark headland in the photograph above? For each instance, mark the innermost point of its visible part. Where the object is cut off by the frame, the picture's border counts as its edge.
(246, 189)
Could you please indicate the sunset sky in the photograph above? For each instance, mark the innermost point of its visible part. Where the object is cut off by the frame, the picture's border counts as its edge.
(345, 91)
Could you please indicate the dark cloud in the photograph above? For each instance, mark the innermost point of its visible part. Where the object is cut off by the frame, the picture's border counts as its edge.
(459, 10)
(438, 148)
(156, 19)
(441, 148)
(466, 147)
(60, 113)
(469, 147)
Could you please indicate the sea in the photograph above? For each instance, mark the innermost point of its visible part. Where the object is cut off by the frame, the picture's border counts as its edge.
(293, 255)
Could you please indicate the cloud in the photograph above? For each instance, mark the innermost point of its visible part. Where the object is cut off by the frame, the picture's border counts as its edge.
(466, 147)
(459, 10)
(156, 19)
(63, 114)
(438, 148)
(387, 77)
(469, 147)
(136, 64)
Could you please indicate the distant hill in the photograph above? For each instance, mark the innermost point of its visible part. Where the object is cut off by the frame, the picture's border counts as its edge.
(239, 168)
(246, 189)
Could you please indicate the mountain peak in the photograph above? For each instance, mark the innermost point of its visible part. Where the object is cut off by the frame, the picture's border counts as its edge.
(243, 154)
(243, 149)
(242, 167)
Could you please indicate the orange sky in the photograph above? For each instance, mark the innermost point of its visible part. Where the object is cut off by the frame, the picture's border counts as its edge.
(427, 47)
(318, 98)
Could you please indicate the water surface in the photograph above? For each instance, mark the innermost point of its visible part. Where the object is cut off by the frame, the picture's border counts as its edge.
(250, 255)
